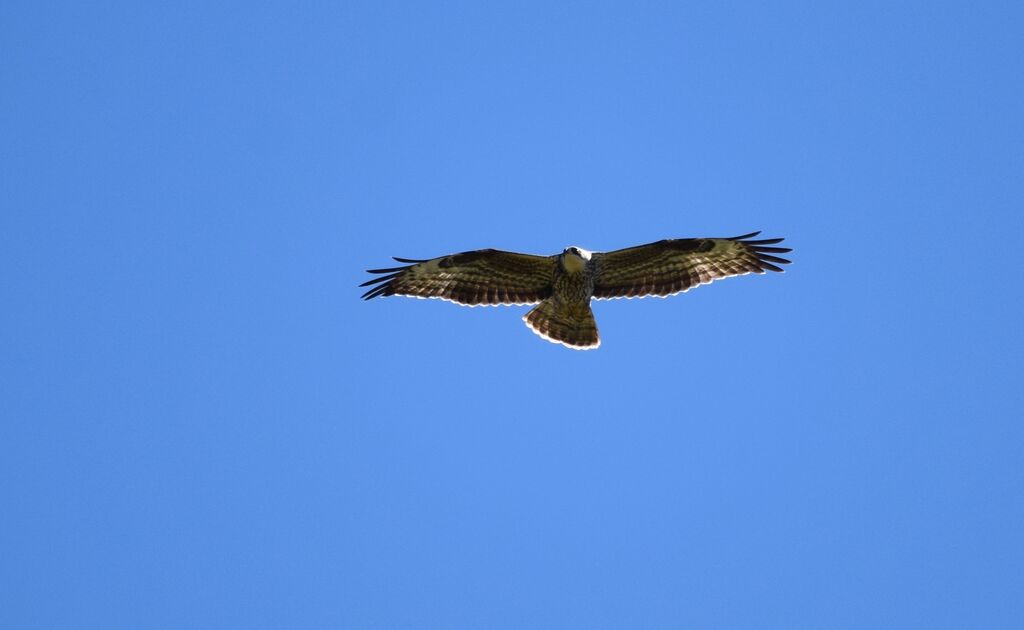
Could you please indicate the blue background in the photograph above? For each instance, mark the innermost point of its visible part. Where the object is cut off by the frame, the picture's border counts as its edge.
(203, 427)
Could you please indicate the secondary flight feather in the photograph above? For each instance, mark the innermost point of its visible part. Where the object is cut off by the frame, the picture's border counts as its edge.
(563, 285)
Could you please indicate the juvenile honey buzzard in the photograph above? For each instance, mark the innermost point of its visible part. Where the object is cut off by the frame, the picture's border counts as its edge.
(562, 285)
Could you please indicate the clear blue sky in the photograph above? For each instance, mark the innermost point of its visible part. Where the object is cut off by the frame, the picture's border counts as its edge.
(204, 427)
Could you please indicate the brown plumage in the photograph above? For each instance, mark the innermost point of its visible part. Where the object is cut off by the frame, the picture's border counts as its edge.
(564, 284)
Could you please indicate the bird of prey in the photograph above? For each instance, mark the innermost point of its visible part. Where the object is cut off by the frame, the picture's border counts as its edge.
(562, 285)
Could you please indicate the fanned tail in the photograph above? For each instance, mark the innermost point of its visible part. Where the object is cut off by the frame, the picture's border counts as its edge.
(571, 325)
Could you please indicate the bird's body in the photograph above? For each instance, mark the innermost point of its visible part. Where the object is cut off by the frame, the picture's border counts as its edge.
(562, 286)
(565, 317)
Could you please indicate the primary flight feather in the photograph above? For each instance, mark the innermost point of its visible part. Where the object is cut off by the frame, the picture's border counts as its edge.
(563, 285)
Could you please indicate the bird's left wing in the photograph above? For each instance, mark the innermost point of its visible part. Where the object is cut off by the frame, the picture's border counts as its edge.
(673, 266)
(485, 276)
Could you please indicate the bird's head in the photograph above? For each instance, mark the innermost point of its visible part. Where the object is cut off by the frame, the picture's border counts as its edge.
(575, 259)
(579, 252)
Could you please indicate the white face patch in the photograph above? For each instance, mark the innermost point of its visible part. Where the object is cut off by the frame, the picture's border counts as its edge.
(574, 262)
(584, 254)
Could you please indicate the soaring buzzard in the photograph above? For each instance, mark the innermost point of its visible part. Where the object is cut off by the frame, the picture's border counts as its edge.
(562, 285)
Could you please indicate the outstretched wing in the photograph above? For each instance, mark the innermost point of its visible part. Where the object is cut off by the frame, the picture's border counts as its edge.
(673, 266)
(485, 276)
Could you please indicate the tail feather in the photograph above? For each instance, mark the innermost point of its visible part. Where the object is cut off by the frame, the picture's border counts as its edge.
(571, 325)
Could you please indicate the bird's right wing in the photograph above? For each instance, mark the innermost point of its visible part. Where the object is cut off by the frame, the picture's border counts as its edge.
(485, 276)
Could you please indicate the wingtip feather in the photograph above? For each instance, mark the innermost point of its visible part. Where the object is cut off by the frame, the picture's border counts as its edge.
(774, 259)
(739, 238)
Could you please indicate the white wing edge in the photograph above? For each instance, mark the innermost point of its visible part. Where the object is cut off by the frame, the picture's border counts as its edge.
(444, 299)
(637, 297)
